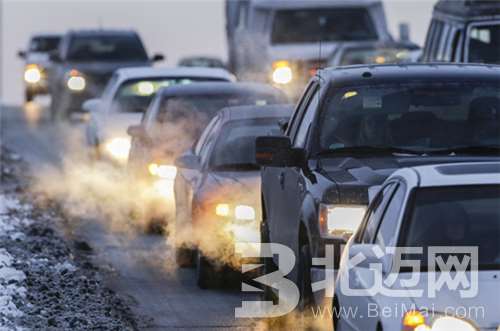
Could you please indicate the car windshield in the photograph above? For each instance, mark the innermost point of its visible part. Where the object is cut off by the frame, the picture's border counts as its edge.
(44, 44)
(456, 216)
(370, 55)
(325, 24)
(107, 48)
(484, 44)
(423, 117)
(134, 96)
(175, 122)
(235, 146)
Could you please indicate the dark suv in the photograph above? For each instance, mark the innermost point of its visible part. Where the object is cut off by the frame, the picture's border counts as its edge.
(351, 129)
(86, 60)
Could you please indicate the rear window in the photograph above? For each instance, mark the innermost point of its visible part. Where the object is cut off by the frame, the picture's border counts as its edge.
(484, 44)
(107, 48)
(44, 44)
(325, 24)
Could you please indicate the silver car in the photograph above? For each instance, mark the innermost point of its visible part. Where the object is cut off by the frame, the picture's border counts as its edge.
(427, 255)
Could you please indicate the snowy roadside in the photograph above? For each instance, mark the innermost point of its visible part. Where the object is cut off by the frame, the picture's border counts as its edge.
(44, 285)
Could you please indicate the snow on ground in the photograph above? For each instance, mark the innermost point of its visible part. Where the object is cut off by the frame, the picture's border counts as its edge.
(11, 278)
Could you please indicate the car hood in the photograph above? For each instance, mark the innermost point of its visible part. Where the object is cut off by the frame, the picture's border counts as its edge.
(447, 300)
(116, 125)
(238, 187)
(353, 176)
(103, 68)
(303, 52)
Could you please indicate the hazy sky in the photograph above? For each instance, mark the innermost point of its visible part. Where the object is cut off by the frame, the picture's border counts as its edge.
(175, 28)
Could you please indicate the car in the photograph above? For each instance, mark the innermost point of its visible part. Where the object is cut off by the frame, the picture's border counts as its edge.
(37, 63)
(352, 128)
(464, 31)
(285, 42)
(352, 53)
(217, 189)
(174, 120)
(126, 98)
(446, 211)
(85, 61)
(201, 61)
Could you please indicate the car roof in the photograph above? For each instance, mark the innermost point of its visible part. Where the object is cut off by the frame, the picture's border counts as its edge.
(468, 8)
(403, 73)
(255, 112)
(216, 88)
(287, 4)
(194, 72)
(454, 174)
(102, 32)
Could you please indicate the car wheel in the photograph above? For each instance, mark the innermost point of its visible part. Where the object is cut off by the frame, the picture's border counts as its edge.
(185, 257)
(206, 276)
(28, 96)
(304, 279)
(269, 266)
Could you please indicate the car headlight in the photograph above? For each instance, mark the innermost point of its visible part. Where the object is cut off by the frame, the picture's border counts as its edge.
(32, 74)
(417, 321)
(340, 221)
(162, 171)
(75, 81)
(239, 212)
(282, 72)
(118, 148)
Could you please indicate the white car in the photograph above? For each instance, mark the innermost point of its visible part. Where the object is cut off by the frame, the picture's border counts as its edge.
(444, 213)
(125, 99)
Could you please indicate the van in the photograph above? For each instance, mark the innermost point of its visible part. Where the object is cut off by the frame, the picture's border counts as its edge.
(464, 31)
(285, 42)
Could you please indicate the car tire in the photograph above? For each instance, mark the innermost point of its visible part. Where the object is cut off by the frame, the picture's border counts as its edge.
(304, 279)
(206, 277)
(28, 96)
(185, 257)
(269, 266)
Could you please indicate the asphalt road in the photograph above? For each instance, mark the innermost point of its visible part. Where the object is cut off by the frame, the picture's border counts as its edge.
(141, 266)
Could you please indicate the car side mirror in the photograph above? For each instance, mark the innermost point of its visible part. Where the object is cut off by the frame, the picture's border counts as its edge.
(371, 254)
(277, 151)
(188, 161)
(372, 192)
(158, 57)
(283, 124)
(139, 132)
(54, 56)
(91, 105)
(21, 54)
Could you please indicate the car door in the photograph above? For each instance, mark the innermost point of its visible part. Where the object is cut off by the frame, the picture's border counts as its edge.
(273, 184)
(361, 277)
(293, 177)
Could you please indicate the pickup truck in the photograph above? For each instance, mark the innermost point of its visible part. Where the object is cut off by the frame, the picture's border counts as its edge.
(352, 128)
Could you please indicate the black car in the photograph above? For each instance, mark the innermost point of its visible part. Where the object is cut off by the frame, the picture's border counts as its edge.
(352, 128)
(217, 188)
(37, 63)
(174, 120)
(84, 62)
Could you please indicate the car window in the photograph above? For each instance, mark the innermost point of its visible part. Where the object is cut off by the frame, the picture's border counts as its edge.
(453, 51)
(299, 110)
(428, 40)
(106, 48)
(305, 123)
(201, 141)
(435, 40)
(387, 227)
(484, 44)
(456, 115)
(375, 212)
(443, 40)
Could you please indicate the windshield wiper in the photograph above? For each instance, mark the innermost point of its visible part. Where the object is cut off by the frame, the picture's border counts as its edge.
(370, 150)
(472, 149)
(236, 167)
